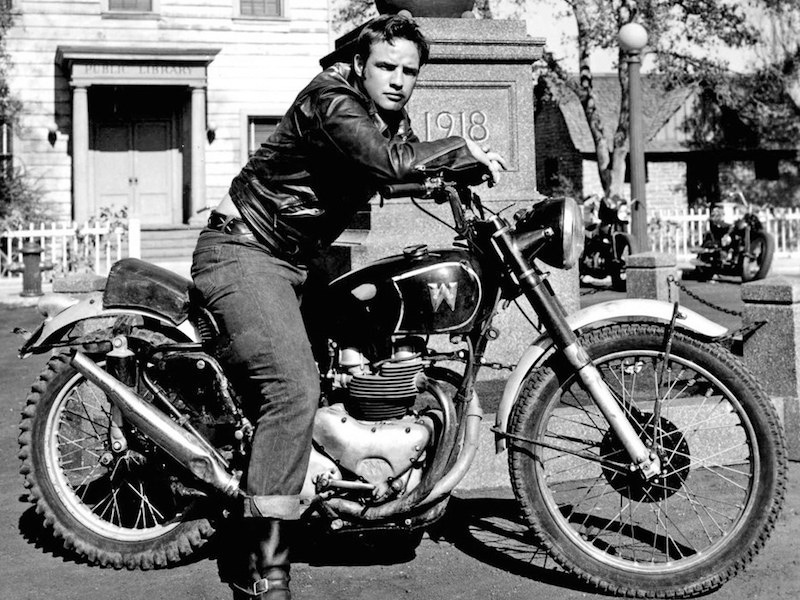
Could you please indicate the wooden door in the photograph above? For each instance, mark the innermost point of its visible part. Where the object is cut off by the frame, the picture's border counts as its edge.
(135, 166)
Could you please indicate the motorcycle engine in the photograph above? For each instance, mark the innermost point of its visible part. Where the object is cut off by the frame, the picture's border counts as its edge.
(372, 441)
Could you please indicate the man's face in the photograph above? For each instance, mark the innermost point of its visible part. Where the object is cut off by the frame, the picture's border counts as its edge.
(389, 73)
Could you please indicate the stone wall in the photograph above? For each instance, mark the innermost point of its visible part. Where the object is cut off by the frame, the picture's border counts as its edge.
(666, 185)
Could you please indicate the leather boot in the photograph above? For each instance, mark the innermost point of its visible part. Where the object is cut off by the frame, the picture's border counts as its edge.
(266, 569)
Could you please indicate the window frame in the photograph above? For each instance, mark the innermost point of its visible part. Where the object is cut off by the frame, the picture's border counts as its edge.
(108, 12)
(248, 115)
(281, 16)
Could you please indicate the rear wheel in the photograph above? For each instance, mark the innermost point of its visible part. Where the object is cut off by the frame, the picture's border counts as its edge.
(719, 441)
(762, 248)
(117, 509)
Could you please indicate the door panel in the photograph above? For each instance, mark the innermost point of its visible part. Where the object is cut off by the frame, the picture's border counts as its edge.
(112, 167)
(153, 169)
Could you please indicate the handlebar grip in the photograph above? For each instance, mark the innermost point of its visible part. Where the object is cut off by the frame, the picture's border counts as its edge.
(403, 190)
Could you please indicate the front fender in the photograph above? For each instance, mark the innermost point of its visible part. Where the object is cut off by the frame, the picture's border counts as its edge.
(53, 329)
(636, 309)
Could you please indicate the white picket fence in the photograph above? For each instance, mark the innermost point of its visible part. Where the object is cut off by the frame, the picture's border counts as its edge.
(64, 245)
(679, 231)
(671, 231)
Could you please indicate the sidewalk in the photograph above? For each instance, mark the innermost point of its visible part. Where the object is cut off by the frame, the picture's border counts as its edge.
(11, 290)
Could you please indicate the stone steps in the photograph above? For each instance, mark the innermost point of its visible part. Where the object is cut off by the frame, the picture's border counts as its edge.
(169, 244)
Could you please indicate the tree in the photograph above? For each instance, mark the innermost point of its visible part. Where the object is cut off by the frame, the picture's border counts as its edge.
(781, 48)
(20, 200)
(680, 36)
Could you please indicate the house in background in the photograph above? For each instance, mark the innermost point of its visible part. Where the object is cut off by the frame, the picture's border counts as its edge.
(679, 171)
(154, 105)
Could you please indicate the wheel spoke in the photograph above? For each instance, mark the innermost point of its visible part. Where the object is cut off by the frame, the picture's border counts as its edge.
(145, 503)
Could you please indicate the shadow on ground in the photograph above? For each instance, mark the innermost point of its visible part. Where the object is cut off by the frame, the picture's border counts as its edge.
(491, 530)
(488, 529)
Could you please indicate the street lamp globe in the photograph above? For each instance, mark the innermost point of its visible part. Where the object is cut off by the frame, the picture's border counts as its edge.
(632, 37)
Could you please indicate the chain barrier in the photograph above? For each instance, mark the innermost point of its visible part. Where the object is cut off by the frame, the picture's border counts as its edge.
(671, 280)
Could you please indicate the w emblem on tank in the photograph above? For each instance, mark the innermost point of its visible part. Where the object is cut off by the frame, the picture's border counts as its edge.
(443, 292)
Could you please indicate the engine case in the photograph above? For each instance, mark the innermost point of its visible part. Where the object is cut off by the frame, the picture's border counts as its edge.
(378, 452)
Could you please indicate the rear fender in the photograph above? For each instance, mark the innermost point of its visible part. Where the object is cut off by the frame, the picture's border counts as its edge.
(53, 329)
(615, 311)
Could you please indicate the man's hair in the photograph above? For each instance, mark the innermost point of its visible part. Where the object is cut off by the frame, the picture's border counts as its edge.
(387, 28)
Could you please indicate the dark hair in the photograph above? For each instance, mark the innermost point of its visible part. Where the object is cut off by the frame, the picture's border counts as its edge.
(387, 28)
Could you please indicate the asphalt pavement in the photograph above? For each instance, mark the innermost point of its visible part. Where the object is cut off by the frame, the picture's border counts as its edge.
(479, 551)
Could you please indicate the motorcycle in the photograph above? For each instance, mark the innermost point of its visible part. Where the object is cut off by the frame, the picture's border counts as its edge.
(645, 458)
(735, 244)
(608, 242)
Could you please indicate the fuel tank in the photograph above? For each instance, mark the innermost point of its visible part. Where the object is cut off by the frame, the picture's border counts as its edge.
(419, 292)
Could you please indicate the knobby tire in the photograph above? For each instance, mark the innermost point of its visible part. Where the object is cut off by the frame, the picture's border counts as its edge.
(76, 525)
(603, 525)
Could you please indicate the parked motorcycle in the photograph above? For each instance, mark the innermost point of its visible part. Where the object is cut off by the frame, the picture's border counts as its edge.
(645, 458)
(608, 242)
(735, 244)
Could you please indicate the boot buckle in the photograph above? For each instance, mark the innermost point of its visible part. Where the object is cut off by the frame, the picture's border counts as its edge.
(259, 587)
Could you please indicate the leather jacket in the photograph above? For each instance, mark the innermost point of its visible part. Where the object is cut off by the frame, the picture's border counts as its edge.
(328, 156)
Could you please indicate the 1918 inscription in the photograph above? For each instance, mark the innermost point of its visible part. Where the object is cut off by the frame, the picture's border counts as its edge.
(473, 124)
(482, 112)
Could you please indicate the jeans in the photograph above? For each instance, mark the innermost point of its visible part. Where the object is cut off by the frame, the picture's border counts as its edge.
(255, 299)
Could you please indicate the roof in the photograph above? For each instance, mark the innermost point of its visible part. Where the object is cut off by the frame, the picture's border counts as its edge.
(665, 111)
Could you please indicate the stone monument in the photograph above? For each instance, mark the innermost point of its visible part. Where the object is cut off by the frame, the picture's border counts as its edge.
(478, 83)
(772, 352)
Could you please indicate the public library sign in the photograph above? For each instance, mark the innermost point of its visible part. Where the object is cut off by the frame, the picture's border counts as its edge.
(138, 66)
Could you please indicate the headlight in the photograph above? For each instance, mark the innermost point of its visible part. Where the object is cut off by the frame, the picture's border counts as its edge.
(622, 212)
(561, 249)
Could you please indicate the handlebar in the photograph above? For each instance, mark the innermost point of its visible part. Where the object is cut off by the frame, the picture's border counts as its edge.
(470, 173)
(403, 190)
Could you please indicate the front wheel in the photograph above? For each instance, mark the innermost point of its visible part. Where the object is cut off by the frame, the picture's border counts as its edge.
(719, 441)
(116, 509)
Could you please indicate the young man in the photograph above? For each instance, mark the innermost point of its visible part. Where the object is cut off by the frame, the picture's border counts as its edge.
(345, 135)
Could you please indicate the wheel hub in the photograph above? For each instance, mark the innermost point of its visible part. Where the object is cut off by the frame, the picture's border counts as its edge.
(672, 450)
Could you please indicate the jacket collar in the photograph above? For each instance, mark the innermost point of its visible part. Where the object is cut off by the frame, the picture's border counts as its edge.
(347, 72)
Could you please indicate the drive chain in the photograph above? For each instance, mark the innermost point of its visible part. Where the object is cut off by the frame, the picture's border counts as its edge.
(671, 280)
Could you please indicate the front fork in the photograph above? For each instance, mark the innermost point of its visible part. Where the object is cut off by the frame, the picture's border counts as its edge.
(552, 315)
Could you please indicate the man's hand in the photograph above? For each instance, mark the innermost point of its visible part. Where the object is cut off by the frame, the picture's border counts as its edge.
(493, 161)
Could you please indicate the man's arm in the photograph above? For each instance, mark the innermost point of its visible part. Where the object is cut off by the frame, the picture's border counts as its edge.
(345, 126)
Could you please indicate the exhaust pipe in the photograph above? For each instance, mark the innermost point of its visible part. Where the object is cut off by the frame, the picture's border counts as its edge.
(189, 449)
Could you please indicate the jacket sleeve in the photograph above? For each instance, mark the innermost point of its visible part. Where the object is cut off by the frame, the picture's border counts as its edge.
(343, 123)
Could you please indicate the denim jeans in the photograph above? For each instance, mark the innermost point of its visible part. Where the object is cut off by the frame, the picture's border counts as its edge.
(255, 298)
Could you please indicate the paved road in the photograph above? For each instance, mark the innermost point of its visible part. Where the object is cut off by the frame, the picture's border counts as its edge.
(479, 552)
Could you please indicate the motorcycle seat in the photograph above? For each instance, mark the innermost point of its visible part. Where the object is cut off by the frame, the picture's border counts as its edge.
(140, 285)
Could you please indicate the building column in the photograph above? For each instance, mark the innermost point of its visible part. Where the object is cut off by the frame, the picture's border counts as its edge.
(198, 156)
(80, 153)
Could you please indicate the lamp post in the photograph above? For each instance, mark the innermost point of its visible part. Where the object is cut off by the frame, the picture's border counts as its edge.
(633, 39)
